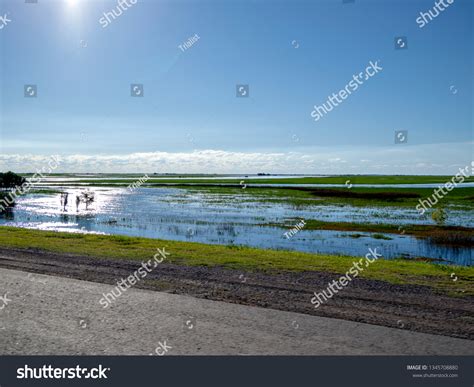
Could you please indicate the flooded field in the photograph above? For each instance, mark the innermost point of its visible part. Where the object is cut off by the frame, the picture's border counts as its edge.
(231, 219)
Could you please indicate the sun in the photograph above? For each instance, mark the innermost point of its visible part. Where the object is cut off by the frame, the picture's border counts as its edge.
(72, 2)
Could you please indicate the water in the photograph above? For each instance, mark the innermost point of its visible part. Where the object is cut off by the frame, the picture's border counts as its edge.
(178, 214)
(273, 185)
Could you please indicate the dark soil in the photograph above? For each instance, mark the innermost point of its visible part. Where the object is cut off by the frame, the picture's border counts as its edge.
(415, 308)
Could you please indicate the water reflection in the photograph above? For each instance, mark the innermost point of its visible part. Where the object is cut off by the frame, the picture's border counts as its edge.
(177, 214)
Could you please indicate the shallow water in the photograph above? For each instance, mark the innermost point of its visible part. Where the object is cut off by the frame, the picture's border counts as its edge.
(178, 214)
(275, 185)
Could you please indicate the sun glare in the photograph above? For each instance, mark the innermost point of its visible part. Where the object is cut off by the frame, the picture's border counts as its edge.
(72, 2)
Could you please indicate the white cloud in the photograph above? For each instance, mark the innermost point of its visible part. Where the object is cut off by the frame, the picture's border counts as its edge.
(398, 159)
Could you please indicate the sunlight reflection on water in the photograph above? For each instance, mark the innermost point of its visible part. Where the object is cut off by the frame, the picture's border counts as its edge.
(178, 214)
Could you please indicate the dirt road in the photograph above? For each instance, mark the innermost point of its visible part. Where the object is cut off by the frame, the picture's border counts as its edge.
(56, 315)
(412, 308)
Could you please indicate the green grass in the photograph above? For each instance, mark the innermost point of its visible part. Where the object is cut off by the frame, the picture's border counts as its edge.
(462, 198)
(238, 257)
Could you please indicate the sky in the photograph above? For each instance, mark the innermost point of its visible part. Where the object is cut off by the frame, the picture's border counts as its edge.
(291, 54)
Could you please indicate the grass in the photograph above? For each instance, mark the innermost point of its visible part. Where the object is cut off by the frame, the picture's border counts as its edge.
(239, 257)
(462, 198)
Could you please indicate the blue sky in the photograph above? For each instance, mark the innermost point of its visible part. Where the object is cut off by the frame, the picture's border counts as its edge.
(190, 120)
